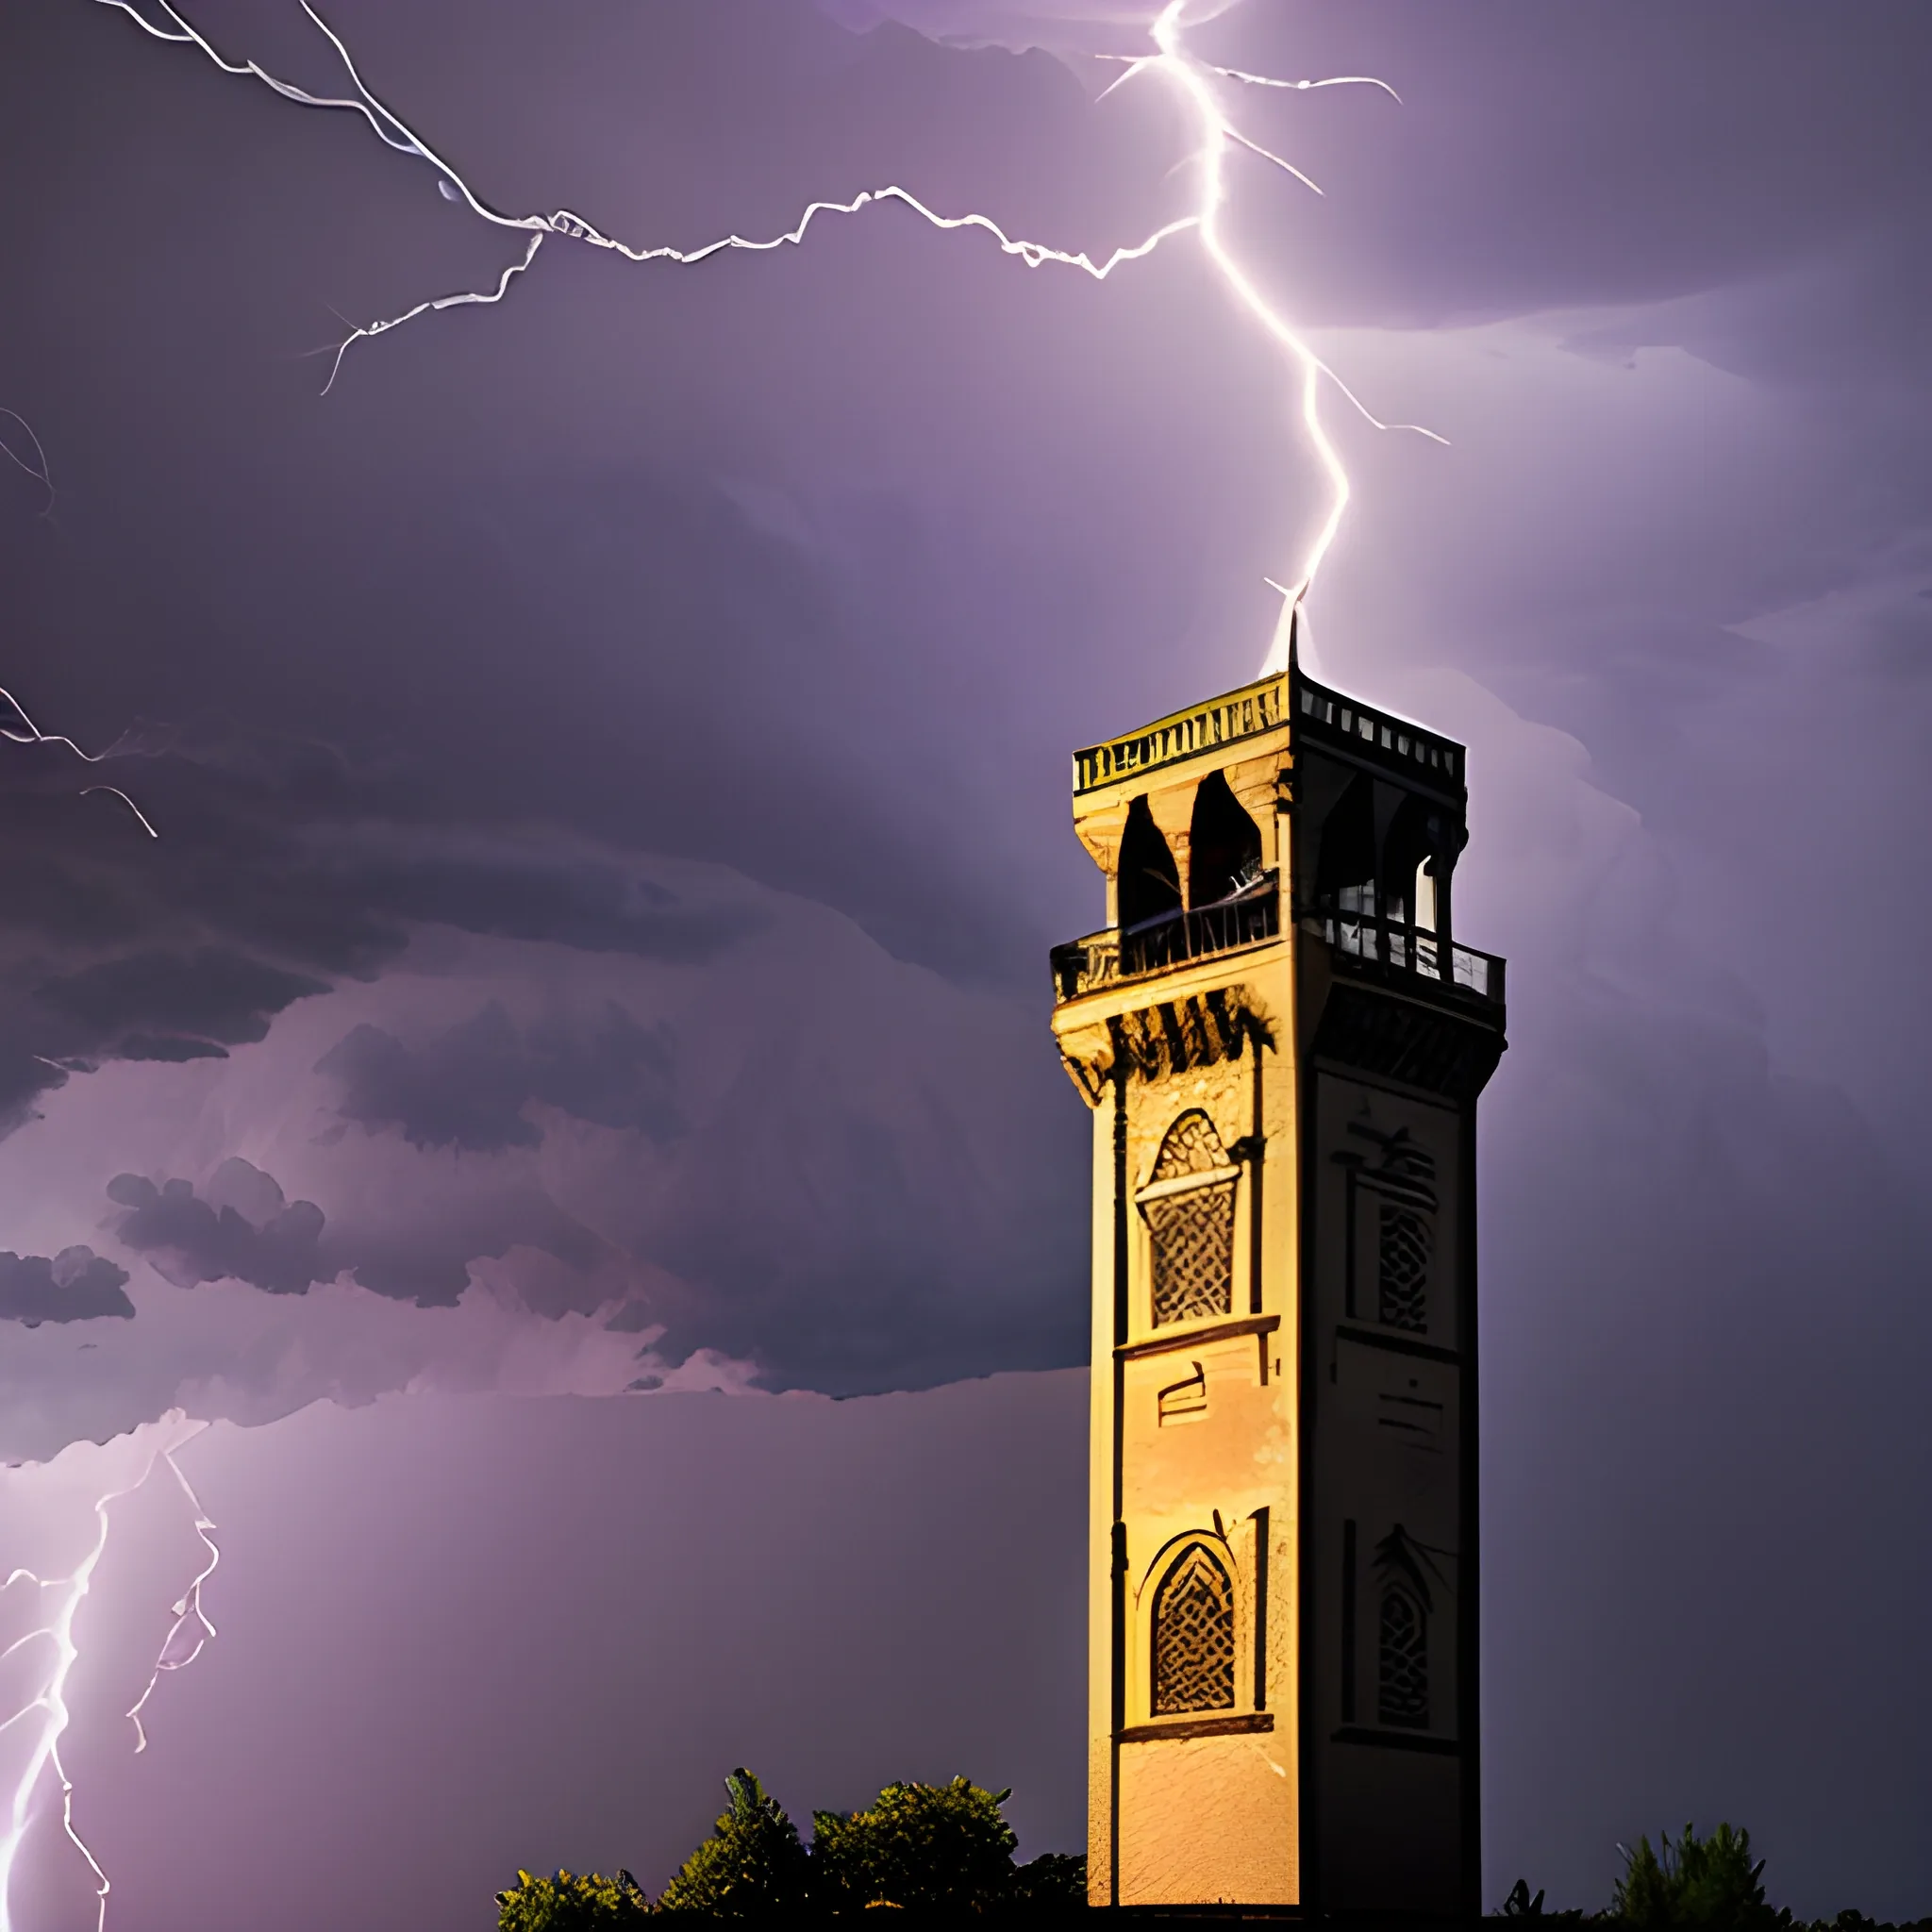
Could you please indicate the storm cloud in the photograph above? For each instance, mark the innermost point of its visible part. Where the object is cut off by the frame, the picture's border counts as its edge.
(212, 998)
(469, 1087)
(272, 1246)
(75, 1285)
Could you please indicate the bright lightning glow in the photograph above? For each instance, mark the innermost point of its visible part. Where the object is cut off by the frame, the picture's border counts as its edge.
(1193, 80)
(188, 1637)
(48, 1708)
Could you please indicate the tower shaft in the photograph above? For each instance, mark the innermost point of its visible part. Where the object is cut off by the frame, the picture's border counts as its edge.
(1282, 1047)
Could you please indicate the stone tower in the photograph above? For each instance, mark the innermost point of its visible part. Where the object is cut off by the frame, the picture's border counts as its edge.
(1282, 1044)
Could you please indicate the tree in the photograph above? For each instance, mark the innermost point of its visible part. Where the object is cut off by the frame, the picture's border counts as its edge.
(1053, 1881)
(925, 1847)
(571, 1903)
(751, 1863)
(1707, 1883)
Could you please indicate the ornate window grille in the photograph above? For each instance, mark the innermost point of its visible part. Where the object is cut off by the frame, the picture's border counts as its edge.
(1193, 1635)
(1402, 1677)
(1402, 1648)
(1402, 1269)
(1401, 1185)
(1190, 1208)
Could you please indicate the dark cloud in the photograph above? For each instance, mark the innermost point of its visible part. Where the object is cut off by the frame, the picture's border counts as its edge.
(76, 1285)
(148, 1046)
(190, 1241)
(210, 995)
(469, 1088)
(285, 866)
(242, 1227)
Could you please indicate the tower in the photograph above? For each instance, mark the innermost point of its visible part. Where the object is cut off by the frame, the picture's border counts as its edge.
(1282, 1044)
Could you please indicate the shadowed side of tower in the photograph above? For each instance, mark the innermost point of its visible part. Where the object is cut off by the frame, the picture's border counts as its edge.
(1282, 1044)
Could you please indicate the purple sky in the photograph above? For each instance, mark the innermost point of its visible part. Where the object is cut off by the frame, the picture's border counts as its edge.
(610, 764)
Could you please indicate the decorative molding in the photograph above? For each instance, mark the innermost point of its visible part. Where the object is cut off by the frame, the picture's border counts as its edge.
(1244, 713)
(1403, 1040)
(1397, 1740)
(1176, 1036)
(1234, 1725)
(1398, 1344)
(1172, 1037)
(1197, 1337)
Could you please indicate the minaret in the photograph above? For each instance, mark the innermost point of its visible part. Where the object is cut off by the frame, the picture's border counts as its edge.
(1282, 1044)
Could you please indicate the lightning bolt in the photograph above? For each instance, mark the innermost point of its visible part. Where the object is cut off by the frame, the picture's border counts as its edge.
(38, 467)
(1193, 82)
(19, 728)
(189, 1634)
(49, 1704)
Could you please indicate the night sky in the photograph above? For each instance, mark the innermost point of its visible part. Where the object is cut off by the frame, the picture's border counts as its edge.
(610, 762)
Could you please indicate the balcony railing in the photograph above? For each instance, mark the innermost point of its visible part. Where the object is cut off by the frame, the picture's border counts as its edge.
(1248, 919)
(1364, 936)
(1157, 944)
(1391, 741)
(1244, 713)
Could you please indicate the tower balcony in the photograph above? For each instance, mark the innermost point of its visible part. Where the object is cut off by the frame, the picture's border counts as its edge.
(1360, 943)
(1248, 918)
(1360, 940)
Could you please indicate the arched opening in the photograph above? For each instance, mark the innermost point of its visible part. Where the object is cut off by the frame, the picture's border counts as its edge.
(1193, 1635)
(1188, 1206)
(1224, 845)
(1149, 884)
(1345, 869)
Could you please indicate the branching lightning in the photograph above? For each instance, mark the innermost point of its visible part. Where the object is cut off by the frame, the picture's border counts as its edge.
(48, 1706)
(20, 729)
(189, 1634)
(16, 727)
(1195, 85)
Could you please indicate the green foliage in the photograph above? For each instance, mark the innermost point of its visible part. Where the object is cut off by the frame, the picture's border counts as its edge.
(923, 1847)
(751, 1864)
(571, 1903)
(1709, 1883)
(1053, 1879)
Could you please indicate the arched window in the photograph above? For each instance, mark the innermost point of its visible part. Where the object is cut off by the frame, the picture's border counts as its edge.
(1189, 1209)
(1402, 1676)
(1402, 1637)
(1193, 1635)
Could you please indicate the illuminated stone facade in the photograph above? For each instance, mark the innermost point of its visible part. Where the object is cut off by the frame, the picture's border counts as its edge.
(1282, 1045)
